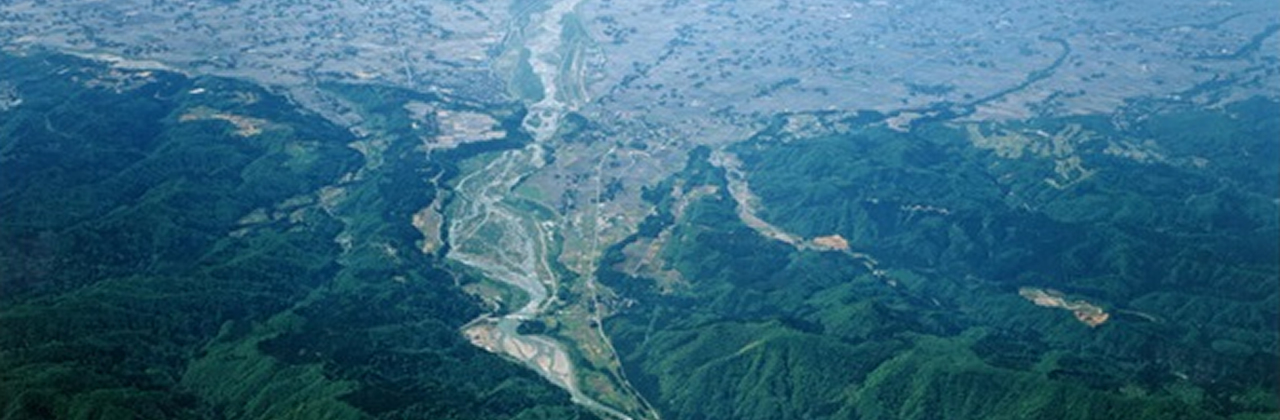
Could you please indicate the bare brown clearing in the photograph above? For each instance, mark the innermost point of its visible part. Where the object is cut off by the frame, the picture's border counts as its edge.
(1085, 312)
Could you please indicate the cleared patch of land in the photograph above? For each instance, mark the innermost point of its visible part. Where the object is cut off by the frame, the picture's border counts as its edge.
(1085, 312)
(245, 126)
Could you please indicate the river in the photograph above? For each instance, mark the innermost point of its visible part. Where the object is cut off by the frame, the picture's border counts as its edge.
(489, 233)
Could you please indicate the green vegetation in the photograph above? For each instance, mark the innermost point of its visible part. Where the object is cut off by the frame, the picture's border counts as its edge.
(525, 83)
(197, 248)
(1181, 253)
(162, 263)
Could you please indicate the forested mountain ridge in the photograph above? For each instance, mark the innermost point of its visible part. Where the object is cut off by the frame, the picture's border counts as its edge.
(181, 247)
(933, 300)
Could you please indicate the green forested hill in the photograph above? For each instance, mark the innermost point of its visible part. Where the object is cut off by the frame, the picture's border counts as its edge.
(176, 247)
(1178, 248)
(173, 248)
